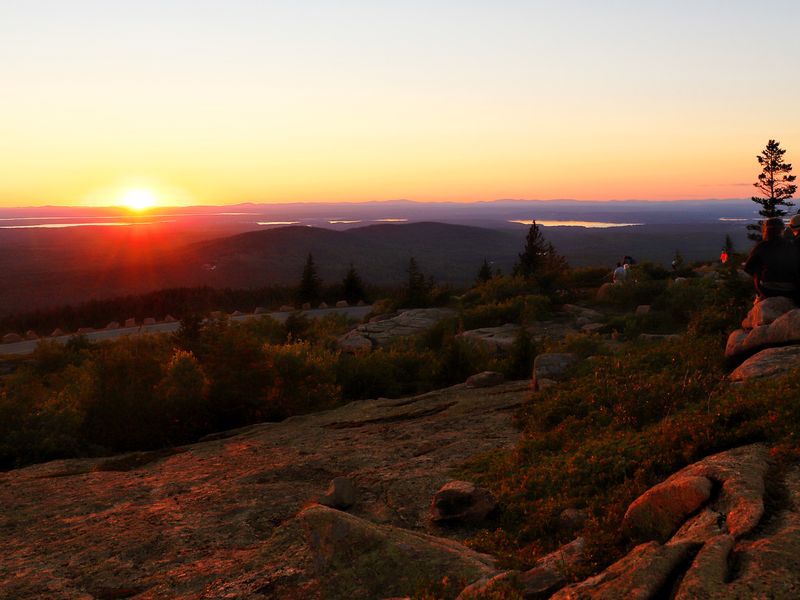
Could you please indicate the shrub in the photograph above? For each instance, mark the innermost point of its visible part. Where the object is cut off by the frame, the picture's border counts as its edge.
(183, 394)
(392, 372)
(299, 379)
(121, 408)
(499, 289)
(522, 309)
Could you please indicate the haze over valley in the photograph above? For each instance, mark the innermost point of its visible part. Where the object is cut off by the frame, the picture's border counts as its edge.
(86, 253)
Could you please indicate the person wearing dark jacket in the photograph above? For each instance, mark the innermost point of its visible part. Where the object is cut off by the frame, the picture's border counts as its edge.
(774, 263)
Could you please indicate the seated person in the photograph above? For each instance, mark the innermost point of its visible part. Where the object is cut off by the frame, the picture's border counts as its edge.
(774, 263)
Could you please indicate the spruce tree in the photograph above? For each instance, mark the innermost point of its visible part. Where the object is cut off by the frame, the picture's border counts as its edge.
(485, 272)
(417, 289)
(775, 184)
(539, 260)
(728, 244)
(310, 283)
(353, 286)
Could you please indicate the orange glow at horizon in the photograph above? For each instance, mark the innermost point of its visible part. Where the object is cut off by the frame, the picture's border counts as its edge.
(139, 200)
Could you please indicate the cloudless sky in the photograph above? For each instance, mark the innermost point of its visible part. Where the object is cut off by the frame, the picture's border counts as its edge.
(219, 102)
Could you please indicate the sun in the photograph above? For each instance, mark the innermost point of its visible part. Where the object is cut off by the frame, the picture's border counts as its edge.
(139, 199)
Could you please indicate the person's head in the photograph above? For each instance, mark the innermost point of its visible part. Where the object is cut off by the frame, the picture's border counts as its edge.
(771, 229)
(794, 225)
(619, 264)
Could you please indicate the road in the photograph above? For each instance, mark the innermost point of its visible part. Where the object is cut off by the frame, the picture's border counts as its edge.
(27, 346)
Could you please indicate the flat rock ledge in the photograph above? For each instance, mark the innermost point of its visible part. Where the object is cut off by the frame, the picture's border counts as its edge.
(382, 332)
(233, 517)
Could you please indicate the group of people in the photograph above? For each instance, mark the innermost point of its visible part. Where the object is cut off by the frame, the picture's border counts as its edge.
(620, 272)
(774, 262)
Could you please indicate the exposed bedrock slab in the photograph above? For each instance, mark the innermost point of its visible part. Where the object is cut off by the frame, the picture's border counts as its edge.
(356, 559)
(217, 519)
(640, 575)
(382, 332)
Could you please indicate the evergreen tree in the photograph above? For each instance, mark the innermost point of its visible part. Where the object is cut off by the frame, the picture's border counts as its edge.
(775, 184)
(539, 260)
(310, 283)
(417, 289)
(485, 272)
(728, 245)
(353, 287)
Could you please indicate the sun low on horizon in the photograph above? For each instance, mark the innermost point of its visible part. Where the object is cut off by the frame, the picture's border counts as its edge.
(139, 199)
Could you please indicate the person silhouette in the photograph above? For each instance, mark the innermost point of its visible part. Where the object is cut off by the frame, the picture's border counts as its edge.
(774, 263)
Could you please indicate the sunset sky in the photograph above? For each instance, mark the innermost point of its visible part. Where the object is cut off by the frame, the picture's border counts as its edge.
(218, 102)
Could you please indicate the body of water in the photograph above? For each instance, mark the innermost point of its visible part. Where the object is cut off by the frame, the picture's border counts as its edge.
(589, 224)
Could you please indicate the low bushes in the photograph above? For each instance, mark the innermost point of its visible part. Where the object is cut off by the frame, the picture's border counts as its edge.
(618, 427)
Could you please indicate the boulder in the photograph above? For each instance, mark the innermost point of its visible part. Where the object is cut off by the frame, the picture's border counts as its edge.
(361, 303)
(353, 342)
(260, 310)
(755, 339)
(485, 379)
(784, 329)
(766, 311)
(461, 501)
(130, 322)
(57, 332)
(237, 313)
(679, 280)
(85, 330)
(149, 321)
(215, 314)
(305, 306)
(342, 304)
(660, 511)
(323, 305)
(592, 328)
(288, 308)
(31, 335)
(341, 494)
(11, 338)
(495, 339)
(771, 362)
(552, 366)
(113, 325)
(170, 319)
(642, 309)
(357, 559)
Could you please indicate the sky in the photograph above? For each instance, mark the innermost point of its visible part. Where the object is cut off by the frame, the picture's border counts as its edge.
(221, 102)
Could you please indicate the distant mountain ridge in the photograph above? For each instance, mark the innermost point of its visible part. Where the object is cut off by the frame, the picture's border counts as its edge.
(41, 268)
